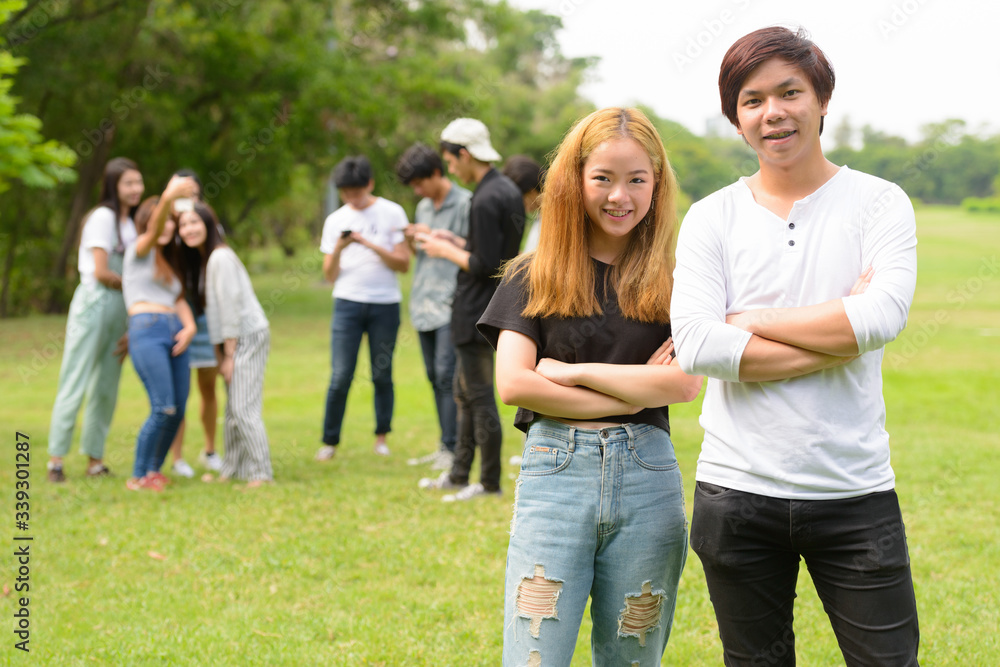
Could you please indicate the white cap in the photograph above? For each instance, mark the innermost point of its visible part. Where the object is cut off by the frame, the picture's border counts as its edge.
(472, 134)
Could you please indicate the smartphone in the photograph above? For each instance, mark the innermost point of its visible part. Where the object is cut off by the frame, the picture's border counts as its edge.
(182, 204)
(344, 234)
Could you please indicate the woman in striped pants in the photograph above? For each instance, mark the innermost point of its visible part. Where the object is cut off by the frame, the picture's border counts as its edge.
(238, 329)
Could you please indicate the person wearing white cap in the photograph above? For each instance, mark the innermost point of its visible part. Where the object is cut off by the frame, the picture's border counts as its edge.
(496, 222)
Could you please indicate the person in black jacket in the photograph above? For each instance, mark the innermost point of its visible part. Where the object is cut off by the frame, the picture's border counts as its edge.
(496, 222)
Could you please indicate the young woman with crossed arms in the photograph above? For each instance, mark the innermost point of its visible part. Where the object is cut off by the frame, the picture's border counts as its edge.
(582, 332)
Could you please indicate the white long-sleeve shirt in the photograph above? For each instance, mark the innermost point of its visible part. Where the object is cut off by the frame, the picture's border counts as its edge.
(231, 306)
(821, 435)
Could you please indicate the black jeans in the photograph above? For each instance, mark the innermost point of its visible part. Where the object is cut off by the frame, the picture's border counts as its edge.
(855, 549)
(478, 418)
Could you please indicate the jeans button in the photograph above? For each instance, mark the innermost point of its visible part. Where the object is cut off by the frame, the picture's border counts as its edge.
(604, 433)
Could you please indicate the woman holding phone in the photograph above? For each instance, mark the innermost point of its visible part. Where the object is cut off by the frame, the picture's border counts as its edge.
(160, 326)
(201, 357)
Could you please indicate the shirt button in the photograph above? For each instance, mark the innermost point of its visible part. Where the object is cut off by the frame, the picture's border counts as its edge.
(791, 243)
(791, 225)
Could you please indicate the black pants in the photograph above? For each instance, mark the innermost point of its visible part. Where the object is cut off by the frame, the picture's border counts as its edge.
(478, 418)
(855, 549)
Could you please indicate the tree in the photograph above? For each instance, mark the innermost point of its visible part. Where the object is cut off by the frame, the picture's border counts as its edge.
(263, 98)
(843, 134)
(25, 155)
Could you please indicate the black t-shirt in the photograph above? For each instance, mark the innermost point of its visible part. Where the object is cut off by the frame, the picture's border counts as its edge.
(496, 221)
(608, 338)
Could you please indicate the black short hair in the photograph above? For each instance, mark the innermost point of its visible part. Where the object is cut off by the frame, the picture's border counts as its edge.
(419, 161)
(454, 149)
(525, 172)
(353, 172)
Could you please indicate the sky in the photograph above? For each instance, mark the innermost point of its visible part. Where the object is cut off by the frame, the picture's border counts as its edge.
(899, 63)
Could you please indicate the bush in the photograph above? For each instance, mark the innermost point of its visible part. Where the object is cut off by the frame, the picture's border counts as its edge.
(981, 204)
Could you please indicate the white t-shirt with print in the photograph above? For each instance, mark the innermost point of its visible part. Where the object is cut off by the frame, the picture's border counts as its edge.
(363, 276)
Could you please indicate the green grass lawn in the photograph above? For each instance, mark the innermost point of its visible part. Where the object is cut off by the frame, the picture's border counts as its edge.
(348, 563)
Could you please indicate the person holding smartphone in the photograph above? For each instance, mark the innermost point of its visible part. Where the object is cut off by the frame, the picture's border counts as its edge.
(363, 247)
(201, 358)
(443, 208)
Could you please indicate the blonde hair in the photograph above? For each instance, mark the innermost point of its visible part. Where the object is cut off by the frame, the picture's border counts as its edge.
(560, 272)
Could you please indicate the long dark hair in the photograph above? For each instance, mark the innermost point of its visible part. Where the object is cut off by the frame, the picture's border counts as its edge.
(189, 263)
(113, 172)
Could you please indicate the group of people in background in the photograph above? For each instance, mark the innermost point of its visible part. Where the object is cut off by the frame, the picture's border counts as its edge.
(786, 287)
(165, 289)
(461, 240)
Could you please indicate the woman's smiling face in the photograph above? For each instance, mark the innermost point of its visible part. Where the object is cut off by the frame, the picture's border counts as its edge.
(191, 228)
(618, 183)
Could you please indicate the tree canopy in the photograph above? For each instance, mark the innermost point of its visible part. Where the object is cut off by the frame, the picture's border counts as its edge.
(263, 98)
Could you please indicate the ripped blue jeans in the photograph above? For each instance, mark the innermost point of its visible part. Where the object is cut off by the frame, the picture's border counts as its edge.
(167, 380)
(598, 513)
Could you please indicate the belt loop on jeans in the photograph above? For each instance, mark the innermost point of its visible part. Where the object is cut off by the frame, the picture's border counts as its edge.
(631, 436)
(572, 438)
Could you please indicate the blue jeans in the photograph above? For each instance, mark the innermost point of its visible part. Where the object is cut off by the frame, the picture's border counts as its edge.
(599, 514)
(439, 361)
(855, 549)
(167, 380)
(351, 320)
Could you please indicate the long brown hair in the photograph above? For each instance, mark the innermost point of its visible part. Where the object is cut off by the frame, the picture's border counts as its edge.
(561, 272)
(164, 255)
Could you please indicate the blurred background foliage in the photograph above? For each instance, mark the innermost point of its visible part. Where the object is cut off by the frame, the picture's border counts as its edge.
(263, 98)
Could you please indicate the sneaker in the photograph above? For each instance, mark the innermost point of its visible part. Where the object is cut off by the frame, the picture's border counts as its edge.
(159, 478)
(381, 449)
(425, 459)
(153, 481)
(56, 473)
(211, 460)
(133, 484)
(443, 460)
(326, 452)
(442, 481)
(470, 492)
(98, 470)
(182, 468)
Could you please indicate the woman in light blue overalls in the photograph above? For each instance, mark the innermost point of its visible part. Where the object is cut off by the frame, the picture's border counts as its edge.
(94, 349)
